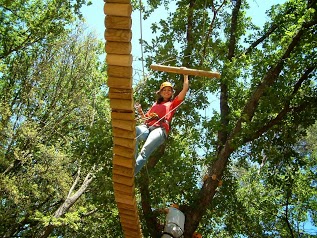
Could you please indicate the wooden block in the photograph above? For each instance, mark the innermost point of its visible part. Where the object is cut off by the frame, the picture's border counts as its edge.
(124, 171)
(119, 71)
(121, 90)
(125, 207)
(130, 229)
(129, 217)
(117, 1)
(123, 116)
(132, 235)
(123, 198)
(118, 132)
(128, 212)
(120, 48)
(125, 125)
(123, 188)
(120, 93)
(118, 22)
(124, 152)
(118, 35)
(123, 161)
(128, 221)
(115, 82)
(117, 178)
(120, 104)
(119, 60)
(125, 194)
(124, 142)
(118, 9)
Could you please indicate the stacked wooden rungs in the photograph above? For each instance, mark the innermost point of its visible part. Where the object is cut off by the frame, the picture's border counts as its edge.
(118, 37)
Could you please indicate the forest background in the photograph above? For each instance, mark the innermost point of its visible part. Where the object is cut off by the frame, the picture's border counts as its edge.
(245, 169)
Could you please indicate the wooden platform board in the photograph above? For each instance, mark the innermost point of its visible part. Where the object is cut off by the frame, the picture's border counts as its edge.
(118, 37)
(186, 71)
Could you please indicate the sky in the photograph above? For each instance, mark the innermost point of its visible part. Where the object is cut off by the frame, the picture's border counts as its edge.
(94, 16)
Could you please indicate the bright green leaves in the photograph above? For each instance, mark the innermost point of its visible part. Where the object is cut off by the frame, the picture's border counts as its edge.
(266, 96)
(26, 23)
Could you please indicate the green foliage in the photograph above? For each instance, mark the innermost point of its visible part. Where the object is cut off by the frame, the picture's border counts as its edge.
(252, 127)
(268, 85)
(55, 122)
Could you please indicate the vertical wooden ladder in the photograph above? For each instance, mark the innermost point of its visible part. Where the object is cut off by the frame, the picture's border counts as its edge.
(118, 47)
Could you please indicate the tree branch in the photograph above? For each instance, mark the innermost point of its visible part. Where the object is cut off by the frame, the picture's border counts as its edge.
(68, 203)
(261, 39)
(210, 29)
(149, 216)
(199, 207)
(74, 183)
(286, 109)
(268, 80)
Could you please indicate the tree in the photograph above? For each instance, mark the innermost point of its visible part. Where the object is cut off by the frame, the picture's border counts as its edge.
(34, 21)
(267, 100)
(55, 139)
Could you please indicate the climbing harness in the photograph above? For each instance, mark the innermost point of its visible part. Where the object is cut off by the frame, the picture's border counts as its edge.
(162, 118)
(178, 229)
(171, 235)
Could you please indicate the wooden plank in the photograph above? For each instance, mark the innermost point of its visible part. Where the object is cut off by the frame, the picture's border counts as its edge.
(122, 151)
(187, 71)
(125, 194)
(119, 71)
(131, 233)
(120, 93)
(118, 22)
(116, 82)
(123, 116)
(131, 228)
(122, 48)
(128, 212)
(123, 198)
(123, 187)
(123, 124)
(123, 161)
(124, 142)
(118, 9)
(128, 222)
(117, 178)
(120, 60)
(128, 217)
(118, 132)
(123, 206)
(124, 171)
(118, 35)
(120, 104)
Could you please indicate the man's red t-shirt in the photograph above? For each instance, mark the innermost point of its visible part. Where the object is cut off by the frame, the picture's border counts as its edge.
(163, 110)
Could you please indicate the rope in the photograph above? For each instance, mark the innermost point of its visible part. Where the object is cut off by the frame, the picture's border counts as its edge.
(141, 42)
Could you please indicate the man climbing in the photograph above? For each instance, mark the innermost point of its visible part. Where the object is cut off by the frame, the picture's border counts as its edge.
(174, 224)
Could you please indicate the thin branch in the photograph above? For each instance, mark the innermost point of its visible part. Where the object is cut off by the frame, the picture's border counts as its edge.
(210, 29)
(286, 211)
(74, 183)
(261, 39)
